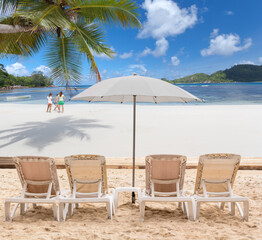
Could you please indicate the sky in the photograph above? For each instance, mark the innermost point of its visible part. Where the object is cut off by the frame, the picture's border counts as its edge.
(178, 38)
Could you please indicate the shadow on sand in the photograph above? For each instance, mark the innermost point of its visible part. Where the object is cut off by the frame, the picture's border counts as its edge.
(42, 134)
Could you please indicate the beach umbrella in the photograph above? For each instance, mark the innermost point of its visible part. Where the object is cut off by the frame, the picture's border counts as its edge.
(135, 89)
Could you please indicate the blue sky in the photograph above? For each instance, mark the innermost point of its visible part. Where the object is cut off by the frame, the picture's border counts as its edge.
(178, 38)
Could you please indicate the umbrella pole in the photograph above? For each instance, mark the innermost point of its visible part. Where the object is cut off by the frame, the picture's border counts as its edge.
(134, 148)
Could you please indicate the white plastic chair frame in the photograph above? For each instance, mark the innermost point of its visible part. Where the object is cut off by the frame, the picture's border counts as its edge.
(67, 204)
(187, 203)
(34, 198)
(222, 198)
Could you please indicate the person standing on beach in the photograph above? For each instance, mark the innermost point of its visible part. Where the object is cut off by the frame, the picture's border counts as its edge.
(61, 101)
(56, 102)
(49, 102)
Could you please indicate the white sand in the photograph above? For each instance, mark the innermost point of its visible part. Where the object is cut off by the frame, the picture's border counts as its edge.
(106, 129)
(162, 220)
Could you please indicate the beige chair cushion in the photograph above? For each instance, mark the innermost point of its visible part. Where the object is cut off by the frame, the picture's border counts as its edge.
(165, 167)
(216, 167)
(88, 168)
(36, 168)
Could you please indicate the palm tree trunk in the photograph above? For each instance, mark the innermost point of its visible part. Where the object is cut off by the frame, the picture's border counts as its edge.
(5, 28)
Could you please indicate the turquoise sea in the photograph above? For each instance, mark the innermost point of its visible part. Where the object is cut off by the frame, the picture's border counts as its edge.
(212, 93)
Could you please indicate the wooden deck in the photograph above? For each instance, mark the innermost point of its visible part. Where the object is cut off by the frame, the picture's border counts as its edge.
(126, 163)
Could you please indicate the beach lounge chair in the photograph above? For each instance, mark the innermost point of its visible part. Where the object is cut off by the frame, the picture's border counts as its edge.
(216, 174)
(40, 184)
(164, 183)
(88, 182)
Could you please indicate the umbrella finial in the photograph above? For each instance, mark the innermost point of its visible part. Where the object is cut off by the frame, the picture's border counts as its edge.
(134, 74)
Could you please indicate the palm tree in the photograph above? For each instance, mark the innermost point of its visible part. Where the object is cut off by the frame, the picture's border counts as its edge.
(69, 29)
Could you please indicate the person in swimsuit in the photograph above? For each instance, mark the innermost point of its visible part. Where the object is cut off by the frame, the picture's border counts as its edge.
(61, 101)
(49, 102)
(56, 102)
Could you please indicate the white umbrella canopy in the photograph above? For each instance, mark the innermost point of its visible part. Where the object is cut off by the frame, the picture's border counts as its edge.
(146, 89)
(134, 89)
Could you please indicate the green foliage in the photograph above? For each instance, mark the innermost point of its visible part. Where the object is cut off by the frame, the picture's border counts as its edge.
(237, 73)
(69, 29)
(37, 79)
(195, 78)
(245, 73)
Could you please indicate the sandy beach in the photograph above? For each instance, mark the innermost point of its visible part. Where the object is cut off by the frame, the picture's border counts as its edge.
(162, 221)
(106, 129)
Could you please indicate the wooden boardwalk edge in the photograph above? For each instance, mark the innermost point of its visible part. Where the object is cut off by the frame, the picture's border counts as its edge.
(126, 163)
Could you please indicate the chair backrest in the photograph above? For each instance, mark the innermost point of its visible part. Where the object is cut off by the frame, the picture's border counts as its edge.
(86, 168)
(216, 167)
(35, 168)
(165, 167)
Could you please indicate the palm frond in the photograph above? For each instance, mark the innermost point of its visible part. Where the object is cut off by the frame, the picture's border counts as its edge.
(24, 43)
(43, 14)
(90, 38)
(107, 11)
(8, 6)
(64, 60)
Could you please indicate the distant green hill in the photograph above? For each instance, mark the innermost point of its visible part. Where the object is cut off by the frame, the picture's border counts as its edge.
(237, 73)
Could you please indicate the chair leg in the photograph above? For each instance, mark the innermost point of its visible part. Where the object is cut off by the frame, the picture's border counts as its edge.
(62, 216)
(233, 208)
(113, 206)
(185, 209)
(246, 210)
(139, 196)
(116, 199)
(56, 216)
(22, 208)
(142, 211)
(179, 205)
(240, 209)
(197, 210)
(77, 205)
(109, 209)
(191, 209)
(229, 206)
(7, 212)
(222, 206)
(70, 209)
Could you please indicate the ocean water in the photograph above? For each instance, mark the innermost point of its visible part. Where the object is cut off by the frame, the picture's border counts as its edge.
(212, 93)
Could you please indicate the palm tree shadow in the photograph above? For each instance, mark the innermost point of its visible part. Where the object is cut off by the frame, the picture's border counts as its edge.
(42, 134)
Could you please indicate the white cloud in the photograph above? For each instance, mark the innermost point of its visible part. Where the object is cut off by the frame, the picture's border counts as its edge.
(230, 13)
(245, 62)
(214, 33)
(165, 18)
(17, 69)
(225, 44)
(140, 67)
(103, 74)
(160, 49)
(126, 55)
(44, 69)
(175, 61)
(260, 59)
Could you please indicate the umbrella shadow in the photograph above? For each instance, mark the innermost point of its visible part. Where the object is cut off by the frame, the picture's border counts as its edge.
(42, 134)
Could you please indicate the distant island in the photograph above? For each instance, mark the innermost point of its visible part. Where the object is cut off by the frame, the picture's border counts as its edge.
(9, 81)
(237, 73)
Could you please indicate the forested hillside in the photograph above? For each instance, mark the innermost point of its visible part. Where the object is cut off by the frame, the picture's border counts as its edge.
(37, 79)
